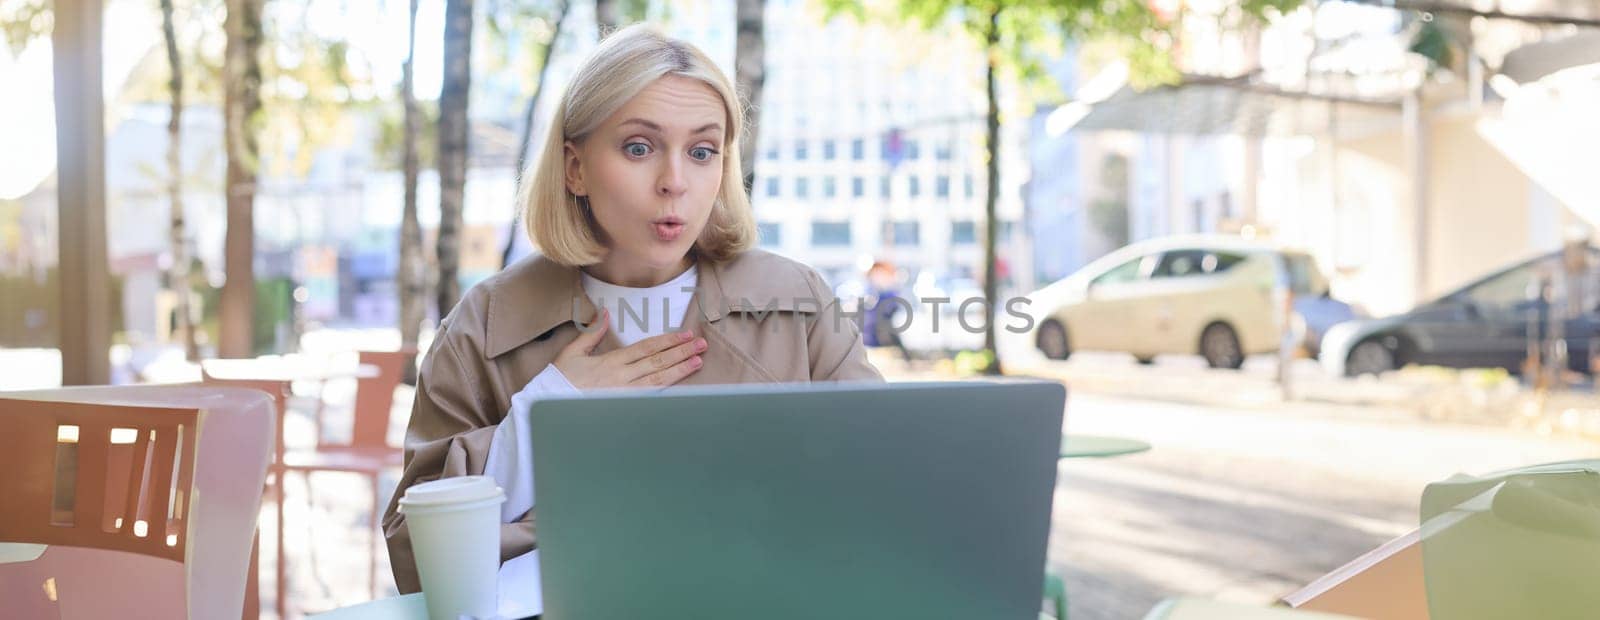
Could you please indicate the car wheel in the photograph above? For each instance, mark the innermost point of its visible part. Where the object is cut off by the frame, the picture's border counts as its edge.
(1145, 360)
(1370, 357)
(1052, 340)
(1220, 346)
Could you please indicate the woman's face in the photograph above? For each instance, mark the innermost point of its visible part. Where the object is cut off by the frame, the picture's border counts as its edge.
(651, 173)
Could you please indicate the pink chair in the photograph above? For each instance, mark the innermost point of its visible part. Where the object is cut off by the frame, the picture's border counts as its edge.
(280, 391)
(133, 501)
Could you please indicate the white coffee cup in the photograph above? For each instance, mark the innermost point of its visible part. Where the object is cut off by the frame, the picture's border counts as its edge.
(455, 536)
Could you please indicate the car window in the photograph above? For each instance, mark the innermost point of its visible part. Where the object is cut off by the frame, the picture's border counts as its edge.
(1303, 275)
(1126, 272)
(1510, 290)
(1181, 263)
(1513, 292)
(1218, 262)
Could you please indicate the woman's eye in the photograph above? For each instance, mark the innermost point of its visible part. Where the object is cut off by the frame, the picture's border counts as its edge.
(702, 153)
(637, 149)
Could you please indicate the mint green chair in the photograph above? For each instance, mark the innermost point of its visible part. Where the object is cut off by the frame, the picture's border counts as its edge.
(1055, 590)
(1523, 543)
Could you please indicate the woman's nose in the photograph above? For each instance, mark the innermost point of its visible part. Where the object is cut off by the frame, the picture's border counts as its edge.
(672, 184)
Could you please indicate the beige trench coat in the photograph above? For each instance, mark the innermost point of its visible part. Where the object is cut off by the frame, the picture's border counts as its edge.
(766, 319)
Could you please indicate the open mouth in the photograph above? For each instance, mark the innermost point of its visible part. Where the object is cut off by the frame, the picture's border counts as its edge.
(667, 228)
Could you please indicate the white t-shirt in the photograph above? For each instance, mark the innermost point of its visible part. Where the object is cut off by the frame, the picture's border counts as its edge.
(639, 313)
(636, 314)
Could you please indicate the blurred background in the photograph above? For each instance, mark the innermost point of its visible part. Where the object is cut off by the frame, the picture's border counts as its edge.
(1346, 241)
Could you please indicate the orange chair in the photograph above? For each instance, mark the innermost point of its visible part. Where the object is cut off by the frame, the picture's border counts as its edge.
(369, 452)
(130, 501)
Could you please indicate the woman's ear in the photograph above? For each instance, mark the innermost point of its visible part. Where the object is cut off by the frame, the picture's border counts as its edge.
(574, 169)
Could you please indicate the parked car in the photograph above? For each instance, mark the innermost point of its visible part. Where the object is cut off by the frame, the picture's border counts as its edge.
(1218, 296)
(1485, 324)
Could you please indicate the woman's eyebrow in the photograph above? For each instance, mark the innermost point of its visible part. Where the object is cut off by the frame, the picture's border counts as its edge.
(657, 128)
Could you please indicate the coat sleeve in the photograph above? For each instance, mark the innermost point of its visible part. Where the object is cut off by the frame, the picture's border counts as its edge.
(836, 350)
(453, 422)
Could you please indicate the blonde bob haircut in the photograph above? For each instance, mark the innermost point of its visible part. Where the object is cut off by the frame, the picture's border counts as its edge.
(632, 58)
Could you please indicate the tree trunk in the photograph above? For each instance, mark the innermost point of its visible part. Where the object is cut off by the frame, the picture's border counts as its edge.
(605, 16)
(178, 273)
(84, 334)
(242, 106)
(413, 285)
(528, 115)
(991, 145)
(750, 73)
(453, 131)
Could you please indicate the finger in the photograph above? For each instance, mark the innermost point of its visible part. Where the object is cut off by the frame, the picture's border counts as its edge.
(672, 375)
(588, 340)
(666, 359)
(651, 346)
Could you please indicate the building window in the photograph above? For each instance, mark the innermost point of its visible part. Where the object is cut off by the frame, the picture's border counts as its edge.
(772, 152)
(858, 149)
(770, 233)
(858, 187)
(883, 187)
(905, 233)
(827, 150)
(963, 233)
(916, 187)
(968, 182)
(829, 188)
(802, 188)
(913, 151)
(772, 187)
(941, 151)
(941, 186)
(800, 150)
(830, 234)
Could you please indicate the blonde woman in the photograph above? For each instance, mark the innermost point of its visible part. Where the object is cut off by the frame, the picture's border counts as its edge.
(646, 277)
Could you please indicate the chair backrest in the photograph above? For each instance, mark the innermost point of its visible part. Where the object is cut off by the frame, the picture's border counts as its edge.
(97, 475)
(146, 496)
(1518, 544)
(1203, 609)
(375, 398)
(279, 390)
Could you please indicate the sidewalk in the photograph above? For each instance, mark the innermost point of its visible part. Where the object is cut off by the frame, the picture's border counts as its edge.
(1472, 397)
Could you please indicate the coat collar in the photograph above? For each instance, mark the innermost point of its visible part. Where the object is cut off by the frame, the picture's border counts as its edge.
(536, 295)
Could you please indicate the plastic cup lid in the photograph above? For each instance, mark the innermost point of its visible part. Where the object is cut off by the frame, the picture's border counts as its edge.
(454, 490)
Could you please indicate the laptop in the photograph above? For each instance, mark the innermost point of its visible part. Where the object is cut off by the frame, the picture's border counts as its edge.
(881, 501)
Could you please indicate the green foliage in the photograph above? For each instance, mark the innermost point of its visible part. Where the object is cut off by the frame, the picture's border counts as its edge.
(973, 363)
(30, 308)
(311, 83)
(516, 31)
(1033, 32)
(389, 149)
(22, 21)
(1434, 43)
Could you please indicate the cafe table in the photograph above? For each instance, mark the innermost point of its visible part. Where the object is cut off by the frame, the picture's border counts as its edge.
(1099, 446)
